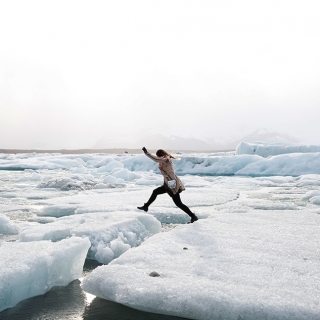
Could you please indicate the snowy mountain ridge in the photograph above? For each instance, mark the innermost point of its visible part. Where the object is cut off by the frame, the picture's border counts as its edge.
(173, 142)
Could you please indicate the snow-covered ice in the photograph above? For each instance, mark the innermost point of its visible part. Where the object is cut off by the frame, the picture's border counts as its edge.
(248, 160)
(110, 234)
(253, 254)
(7, 226)
(293, 164)
(33, 268)
(265, 149)
(34, 161)
(237, 266)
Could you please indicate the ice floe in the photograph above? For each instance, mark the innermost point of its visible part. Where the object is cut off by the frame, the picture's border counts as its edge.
(234, 266)
(110, 233)
(33, 268)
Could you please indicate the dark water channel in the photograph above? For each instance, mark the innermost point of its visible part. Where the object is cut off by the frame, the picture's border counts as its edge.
(71, 302)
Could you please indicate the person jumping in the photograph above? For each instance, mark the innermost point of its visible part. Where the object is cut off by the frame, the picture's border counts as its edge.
(172, 184)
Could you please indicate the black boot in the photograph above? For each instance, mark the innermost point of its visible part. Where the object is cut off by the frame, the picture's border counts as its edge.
(193, 218)
(144, 208)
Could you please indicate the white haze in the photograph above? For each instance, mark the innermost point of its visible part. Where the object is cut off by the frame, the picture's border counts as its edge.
(74, 71)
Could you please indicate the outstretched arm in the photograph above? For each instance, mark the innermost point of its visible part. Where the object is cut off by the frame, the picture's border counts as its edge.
(151, 156)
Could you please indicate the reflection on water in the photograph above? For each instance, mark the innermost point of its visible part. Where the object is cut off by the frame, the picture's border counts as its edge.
(71, 302)
(103, 309)
(59, 303)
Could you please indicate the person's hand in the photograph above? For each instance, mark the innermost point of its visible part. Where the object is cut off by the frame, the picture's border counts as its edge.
(144, 150)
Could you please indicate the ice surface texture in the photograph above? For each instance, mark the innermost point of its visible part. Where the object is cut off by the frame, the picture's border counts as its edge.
(8, 227)
(253, 254)
(251, 266)
(110, 233)
(265, 150)
(33, 268)
(123, 168)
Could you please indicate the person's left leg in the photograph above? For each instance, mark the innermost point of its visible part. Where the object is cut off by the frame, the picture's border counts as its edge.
(155, 193)
(177, 201)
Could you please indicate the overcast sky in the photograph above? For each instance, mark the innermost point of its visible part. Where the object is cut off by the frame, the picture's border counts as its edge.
(74, 71)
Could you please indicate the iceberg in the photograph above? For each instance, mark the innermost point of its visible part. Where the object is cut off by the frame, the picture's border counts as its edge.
(33, 268)
(109, 171)
(294, 164)
(266, 149)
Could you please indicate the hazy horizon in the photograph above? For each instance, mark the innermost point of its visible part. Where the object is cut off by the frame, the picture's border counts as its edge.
(72, 72)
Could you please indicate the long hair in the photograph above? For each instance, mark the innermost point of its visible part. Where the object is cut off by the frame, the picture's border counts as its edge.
(163, 153)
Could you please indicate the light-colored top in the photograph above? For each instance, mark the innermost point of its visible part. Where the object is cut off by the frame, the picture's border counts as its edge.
(166, 169)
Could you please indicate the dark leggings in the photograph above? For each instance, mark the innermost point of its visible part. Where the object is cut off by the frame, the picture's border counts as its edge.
(175, 197)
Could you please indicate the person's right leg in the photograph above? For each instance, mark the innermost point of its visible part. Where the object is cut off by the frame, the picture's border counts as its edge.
(155, 193)
(177, 200)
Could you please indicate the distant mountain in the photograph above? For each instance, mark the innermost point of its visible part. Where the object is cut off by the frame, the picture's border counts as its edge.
(175, 143)
(260, 135)
(263, 135)
(156, 141)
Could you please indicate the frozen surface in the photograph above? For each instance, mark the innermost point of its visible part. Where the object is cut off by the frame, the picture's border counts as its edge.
(293, 164)
(199, 193)
(265, 150)
(312, 196)
(7, 226)
(237, 266)
(33, 268)
(109, 171)
(110, 234)
(252, 255)
(34, 161)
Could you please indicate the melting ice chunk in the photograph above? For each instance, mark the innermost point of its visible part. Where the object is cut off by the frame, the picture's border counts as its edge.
(33, 268)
